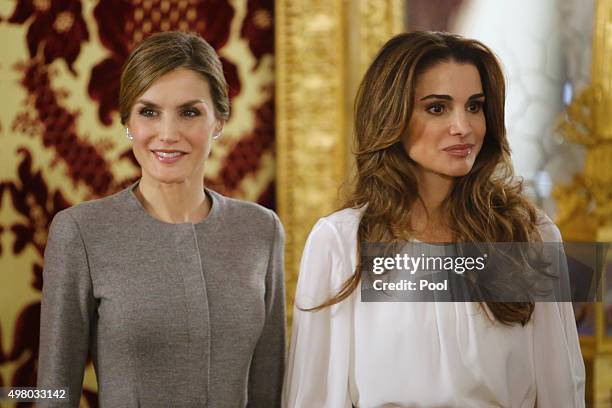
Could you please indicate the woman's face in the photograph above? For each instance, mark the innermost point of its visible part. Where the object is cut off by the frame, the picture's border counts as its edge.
(172, 124)
(447, 126)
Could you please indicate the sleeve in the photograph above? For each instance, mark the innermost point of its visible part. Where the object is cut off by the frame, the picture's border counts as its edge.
(67, 312)
(559, 367)
(268, 363)
(319, 355)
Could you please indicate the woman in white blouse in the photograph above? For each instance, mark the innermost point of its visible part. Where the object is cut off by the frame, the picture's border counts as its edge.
(433, 165)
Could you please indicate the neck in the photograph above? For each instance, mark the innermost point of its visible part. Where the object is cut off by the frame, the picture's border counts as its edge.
(428, 220)
(433, 189)
(174, 203)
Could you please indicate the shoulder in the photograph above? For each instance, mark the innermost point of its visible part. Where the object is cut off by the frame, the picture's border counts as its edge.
(548, 229)
(342, 225)
(329, 257)
(247, 215)
(335, 236)
(345, 218)
(95, 211)
(71, 225)
(108, 206)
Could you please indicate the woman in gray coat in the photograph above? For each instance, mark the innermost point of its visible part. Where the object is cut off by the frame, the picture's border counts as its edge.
(176, 290)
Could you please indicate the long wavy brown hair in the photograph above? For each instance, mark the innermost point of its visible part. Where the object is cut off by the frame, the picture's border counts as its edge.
(486, 205)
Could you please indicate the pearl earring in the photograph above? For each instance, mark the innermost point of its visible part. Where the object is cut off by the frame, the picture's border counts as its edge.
(216, 135)
(128, 134)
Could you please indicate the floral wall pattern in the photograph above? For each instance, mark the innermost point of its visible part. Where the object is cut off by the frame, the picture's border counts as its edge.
(62, 142)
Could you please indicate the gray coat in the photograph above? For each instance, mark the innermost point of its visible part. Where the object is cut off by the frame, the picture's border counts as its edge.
(175, 315)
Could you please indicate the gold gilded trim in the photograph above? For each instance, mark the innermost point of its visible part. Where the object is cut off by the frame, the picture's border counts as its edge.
(382, 19)
(315, 43)
(310, 127)
(601, 69)
(585, 206)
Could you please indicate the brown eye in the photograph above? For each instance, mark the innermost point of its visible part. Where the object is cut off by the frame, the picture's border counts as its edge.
(147, 112)
(191, 113)
(435, 109)
(475, 107)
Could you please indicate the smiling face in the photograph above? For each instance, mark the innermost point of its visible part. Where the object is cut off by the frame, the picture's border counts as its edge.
(172, 124)
(448, 125)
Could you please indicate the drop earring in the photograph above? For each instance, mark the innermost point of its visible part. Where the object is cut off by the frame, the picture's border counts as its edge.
(216, 135)
(128, 134)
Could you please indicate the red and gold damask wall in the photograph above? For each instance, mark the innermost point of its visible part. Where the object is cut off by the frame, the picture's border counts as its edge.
(60, 137)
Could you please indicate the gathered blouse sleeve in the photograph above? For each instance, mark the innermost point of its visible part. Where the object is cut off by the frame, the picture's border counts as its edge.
(319, 355)
(68, 311)
(559, 367)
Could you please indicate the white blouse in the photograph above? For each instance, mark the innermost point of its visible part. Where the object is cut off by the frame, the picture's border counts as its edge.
(395, 354)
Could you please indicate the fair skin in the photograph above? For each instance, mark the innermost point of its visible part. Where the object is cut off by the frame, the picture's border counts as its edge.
(445, 134)
(172, 124)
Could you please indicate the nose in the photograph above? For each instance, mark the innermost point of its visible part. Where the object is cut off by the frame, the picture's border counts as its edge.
(168, 130)
(460, 124)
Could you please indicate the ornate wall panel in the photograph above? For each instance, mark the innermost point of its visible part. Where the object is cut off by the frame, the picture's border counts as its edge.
(310, 122)
(319, 45)
(585, 210)
(62, 142)
(378, 22)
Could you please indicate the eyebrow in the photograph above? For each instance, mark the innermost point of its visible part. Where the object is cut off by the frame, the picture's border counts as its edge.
(450, 98)
(183, 105)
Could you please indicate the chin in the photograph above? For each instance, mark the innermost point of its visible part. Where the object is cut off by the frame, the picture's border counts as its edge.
(457, 171)
(168, 178)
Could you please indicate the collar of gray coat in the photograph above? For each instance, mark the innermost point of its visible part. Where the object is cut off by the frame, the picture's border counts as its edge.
(213, 219)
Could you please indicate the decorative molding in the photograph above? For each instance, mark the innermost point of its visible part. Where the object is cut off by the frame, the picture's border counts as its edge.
(380, 20)
(310, 128)
(585, 206)
(314, 55)
(585, 209)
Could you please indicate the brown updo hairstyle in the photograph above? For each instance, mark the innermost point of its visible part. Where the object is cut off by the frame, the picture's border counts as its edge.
(486, 205)
(164, 52)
